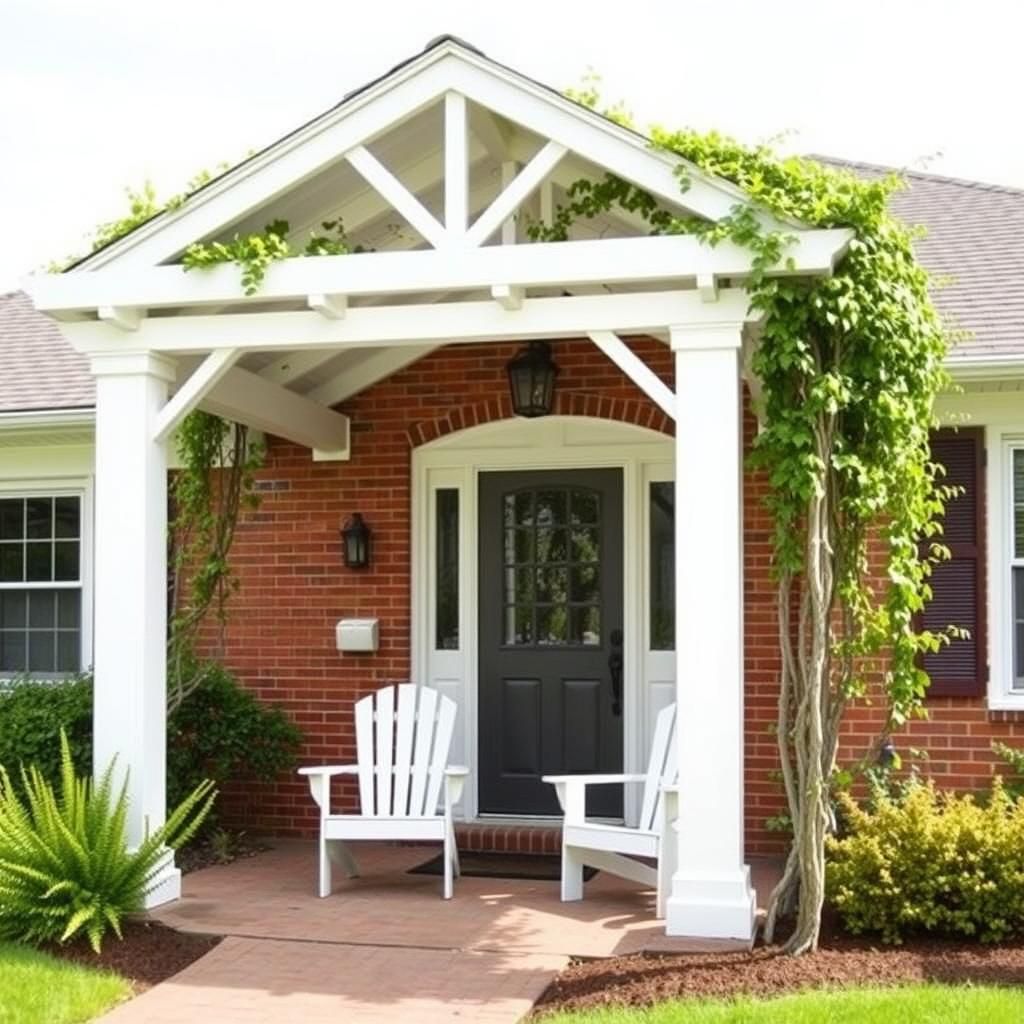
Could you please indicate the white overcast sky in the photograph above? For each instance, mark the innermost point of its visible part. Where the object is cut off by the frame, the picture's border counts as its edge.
(99, 94)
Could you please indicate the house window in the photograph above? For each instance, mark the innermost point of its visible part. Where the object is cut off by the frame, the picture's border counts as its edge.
(40, 584)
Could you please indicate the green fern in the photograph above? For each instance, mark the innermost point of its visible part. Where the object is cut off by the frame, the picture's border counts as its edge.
(65, 868)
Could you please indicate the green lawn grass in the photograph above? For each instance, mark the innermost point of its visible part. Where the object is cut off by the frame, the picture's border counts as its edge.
(40, 989)
(917, 1004)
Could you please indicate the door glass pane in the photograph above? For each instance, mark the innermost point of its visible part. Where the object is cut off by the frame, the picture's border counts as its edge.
(551, 583)
(663, 566)
(585, 625)
(447, 556)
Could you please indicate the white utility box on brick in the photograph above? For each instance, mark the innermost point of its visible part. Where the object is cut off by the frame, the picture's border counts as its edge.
(357, 636)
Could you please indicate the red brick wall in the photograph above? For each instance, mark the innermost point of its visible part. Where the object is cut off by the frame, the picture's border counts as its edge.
(280, 638)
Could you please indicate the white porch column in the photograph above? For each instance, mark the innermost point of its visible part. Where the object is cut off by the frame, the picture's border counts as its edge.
(711, 895)
(130, 663)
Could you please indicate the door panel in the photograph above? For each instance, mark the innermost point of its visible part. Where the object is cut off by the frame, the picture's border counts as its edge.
(550, 624)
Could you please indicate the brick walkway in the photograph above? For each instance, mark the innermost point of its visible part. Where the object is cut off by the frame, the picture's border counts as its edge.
(385, 947)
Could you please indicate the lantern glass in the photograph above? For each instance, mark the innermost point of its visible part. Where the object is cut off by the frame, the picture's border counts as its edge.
(356, 542)
(531, 379)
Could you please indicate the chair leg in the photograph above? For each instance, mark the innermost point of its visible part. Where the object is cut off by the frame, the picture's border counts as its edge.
(457, 868)
(449, 858)
(572, 875)
(324, 885)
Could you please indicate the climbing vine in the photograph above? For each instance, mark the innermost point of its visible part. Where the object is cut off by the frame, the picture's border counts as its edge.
(254, 253)
(213, 486)
(849, 366)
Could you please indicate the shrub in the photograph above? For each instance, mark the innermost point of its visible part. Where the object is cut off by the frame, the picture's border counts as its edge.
(219, 732)
(32, 715)
(64, 865)
(932, 862)
(223, 732)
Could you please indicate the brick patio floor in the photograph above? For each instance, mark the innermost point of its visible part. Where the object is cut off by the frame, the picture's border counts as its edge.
(385, 947)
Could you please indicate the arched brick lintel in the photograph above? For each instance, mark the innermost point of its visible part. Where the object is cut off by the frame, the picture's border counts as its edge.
(491, 410)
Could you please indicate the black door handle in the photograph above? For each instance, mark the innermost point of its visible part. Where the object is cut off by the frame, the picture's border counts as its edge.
(615, 661)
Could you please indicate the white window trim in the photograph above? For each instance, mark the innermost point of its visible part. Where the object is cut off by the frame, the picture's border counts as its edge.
(1001, 444)
(58, 487)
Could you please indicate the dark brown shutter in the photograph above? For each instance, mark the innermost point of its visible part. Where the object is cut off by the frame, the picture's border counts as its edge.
(958, 585)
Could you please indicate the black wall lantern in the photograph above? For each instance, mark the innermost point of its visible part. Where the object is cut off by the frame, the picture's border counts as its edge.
(531, 379)
(355, 539)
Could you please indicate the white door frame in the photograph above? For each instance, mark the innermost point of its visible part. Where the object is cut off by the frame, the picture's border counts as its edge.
(570, 442)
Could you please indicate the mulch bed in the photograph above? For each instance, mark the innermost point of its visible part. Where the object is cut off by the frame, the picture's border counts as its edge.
(149, 953)
(645, 979)
(205, 853)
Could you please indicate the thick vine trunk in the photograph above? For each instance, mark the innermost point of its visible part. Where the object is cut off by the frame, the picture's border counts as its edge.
(808, 711)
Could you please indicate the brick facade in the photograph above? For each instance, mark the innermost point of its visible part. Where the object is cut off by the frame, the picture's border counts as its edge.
(294, 588)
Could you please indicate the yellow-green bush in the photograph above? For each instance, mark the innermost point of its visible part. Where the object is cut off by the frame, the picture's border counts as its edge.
(930, 862)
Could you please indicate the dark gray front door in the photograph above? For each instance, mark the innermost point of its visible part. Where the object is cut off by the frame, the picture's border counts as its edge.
(550, 680)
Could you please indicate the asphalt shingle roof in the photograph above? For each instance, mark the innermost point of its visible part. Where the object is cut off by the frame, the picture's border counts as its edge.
(38, 368)
(974, 248)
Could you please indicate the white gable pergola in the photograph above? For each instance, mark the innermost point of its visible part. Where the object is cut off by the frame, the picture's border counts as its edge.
(435, 169)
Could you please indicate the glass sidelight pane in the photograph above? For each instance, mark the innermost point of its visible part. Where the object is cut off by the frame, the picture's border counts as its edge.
(446, 597)
(663, 566)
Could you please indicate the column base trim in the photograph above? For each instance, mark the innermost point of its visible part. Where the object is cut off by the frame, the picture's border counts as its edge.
(165, 888)
(712, 906)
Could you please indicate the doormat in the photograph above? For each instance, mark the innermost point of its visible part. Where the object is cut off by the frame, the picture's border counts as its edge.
(540, 867)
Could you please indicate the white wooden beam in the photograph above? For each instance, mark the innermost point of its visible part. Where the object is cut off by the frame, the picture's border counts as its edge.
(508, 297)
(334, 307)
(124, 318)
(547, 204)
(376, 365)
(247, 398)
(421, 219)
(608, 261)
(509, 169)
(708, 287)
(289, 368)
(456, 166)
(528, 179)
(203, 379)
(625, 153)
(636, 370)
(419, 324)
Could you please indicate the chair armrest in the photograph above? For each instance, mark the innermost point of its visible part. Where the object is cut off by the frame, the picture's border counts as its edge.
(320, 782)
(571, 791)
(454, 779)
(330, 769)
(593, 780)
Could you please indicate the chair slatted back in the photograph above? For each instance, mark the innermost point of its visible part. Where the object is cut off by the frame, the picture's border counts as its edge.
(403, 735)
(662, 768)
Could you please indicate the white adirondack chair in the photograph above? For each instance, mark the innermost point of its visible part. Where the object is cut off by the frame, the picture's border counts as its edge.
(403, 734)
(613, 848)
